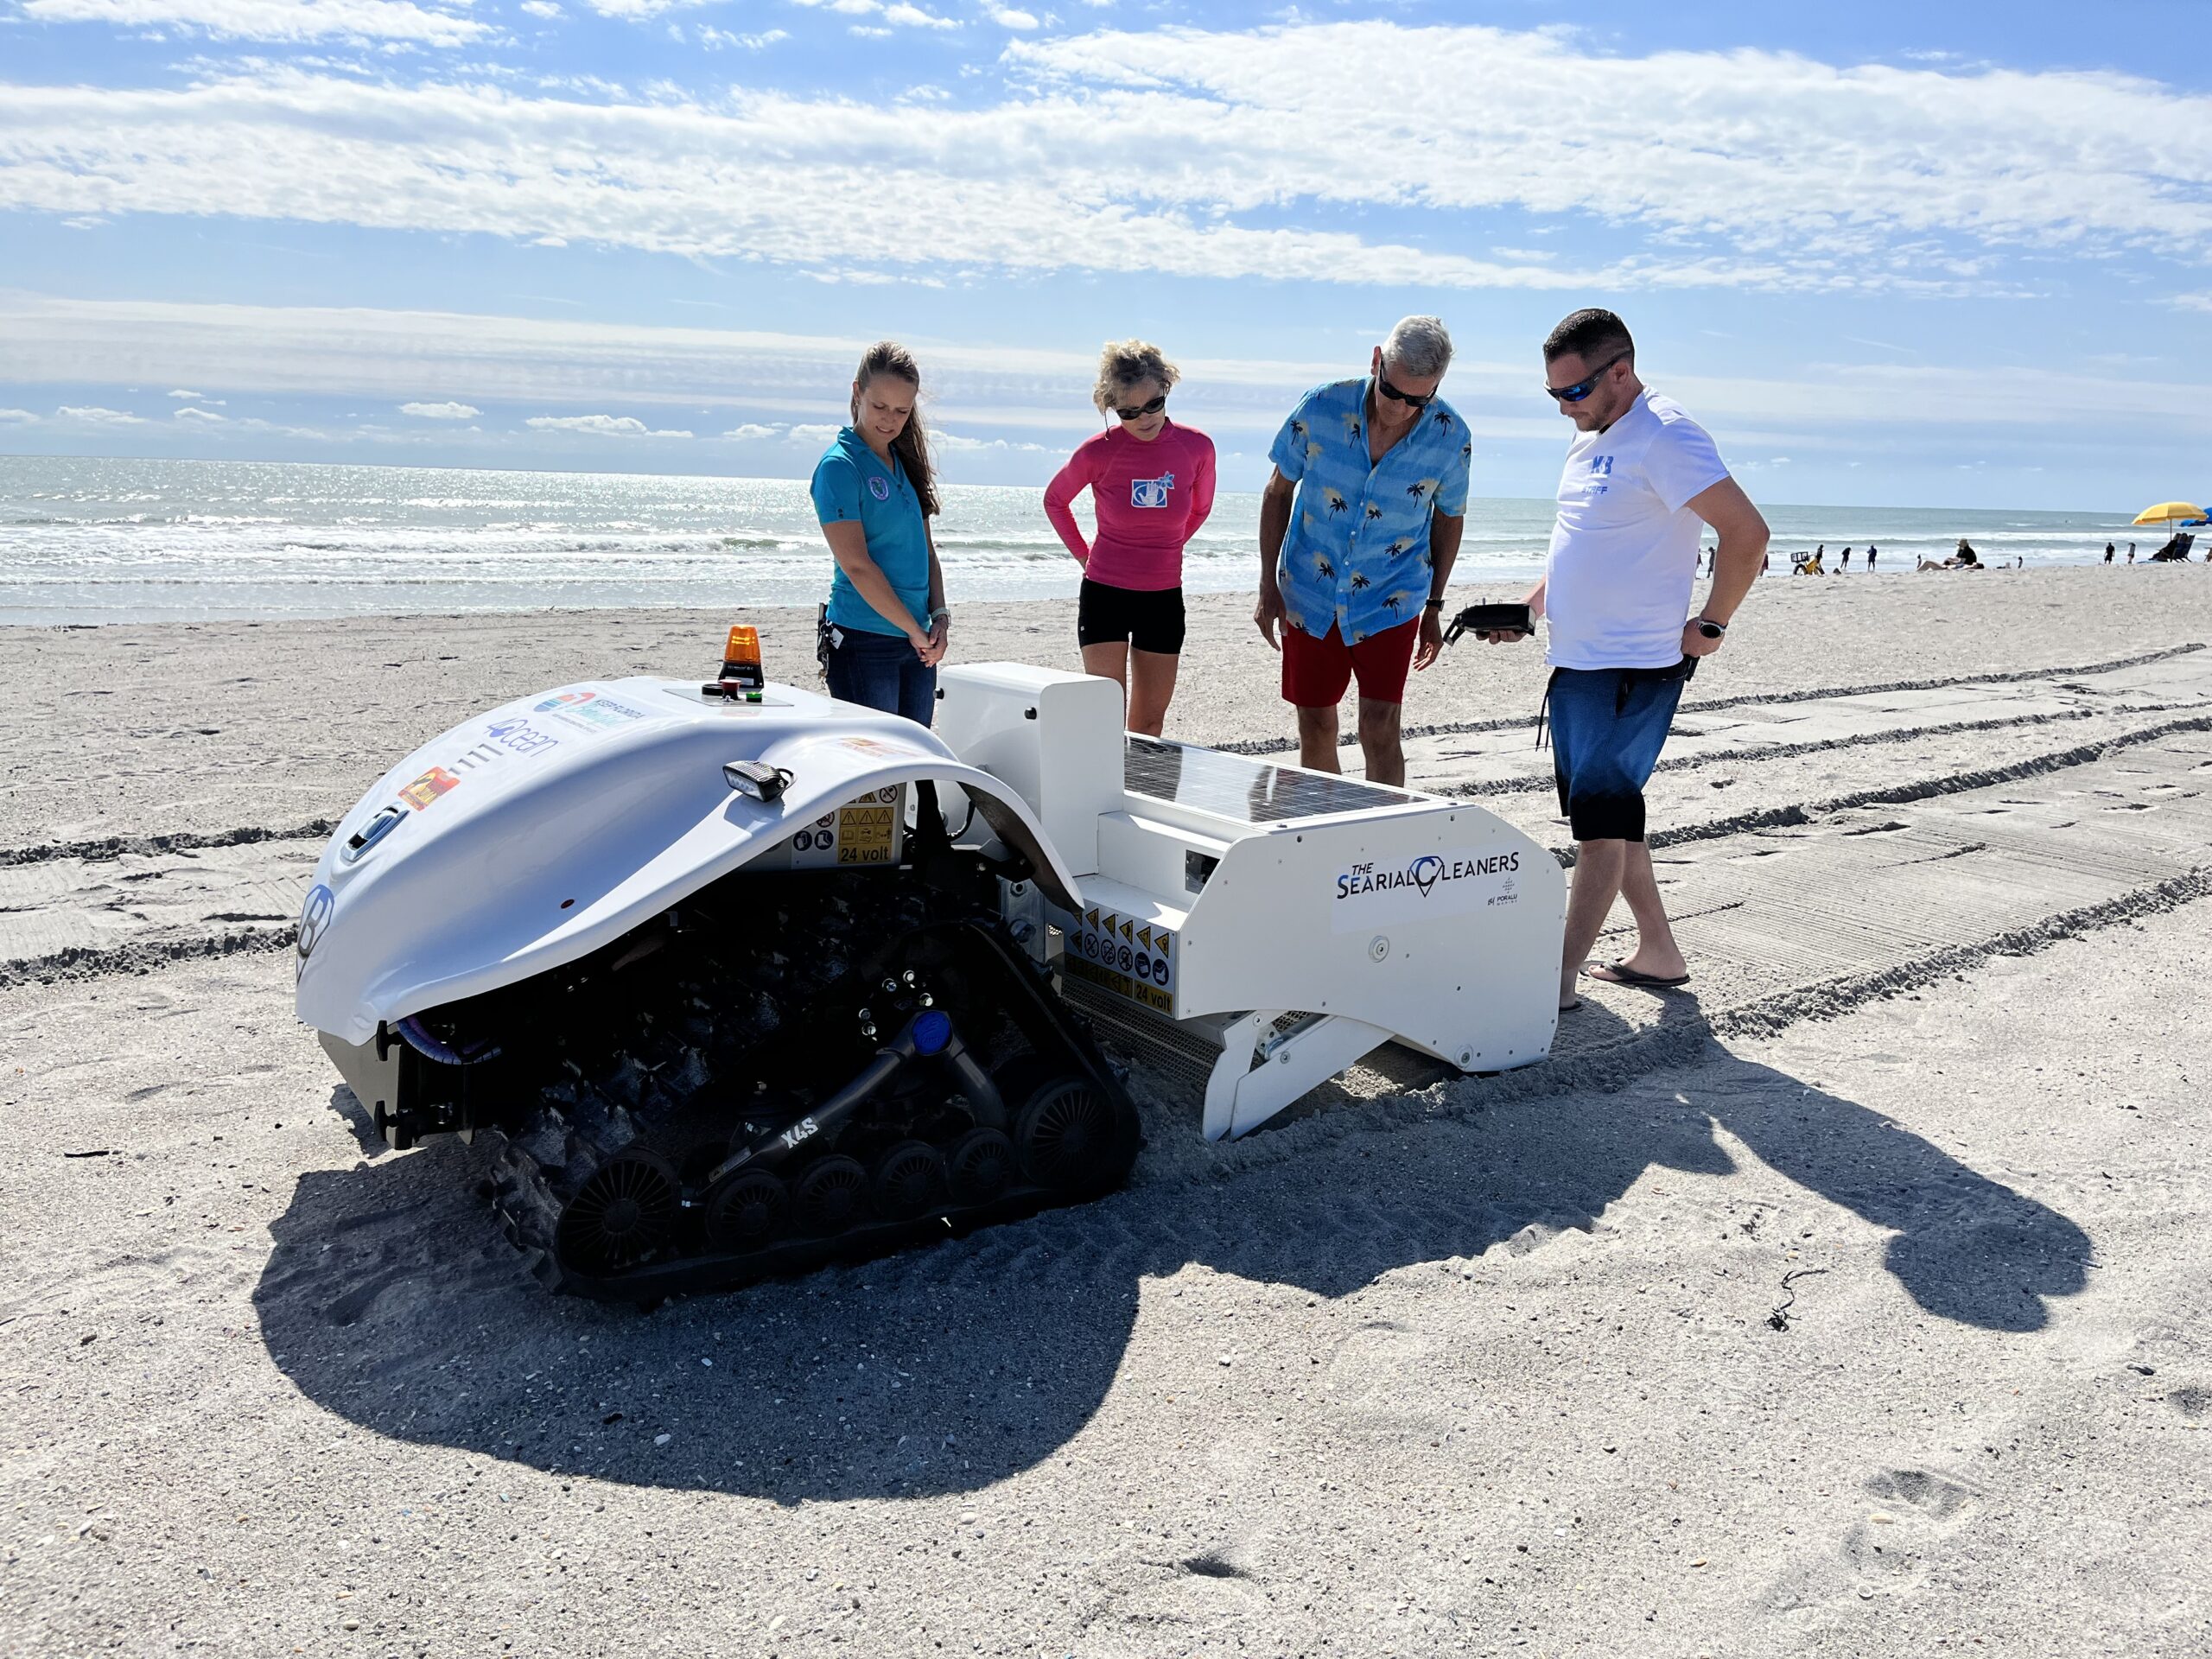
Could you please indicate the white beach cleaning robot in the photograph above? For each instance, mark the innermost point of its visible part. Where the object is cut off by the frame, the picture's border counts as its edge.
(743, 986)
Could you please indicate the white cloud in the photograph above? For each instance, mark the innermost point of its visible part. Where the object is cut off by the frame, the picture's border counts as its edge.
(441, 411)
(17, 417)
(92, 415)
(1263, 158)
(272, 20)
(912, 16)
(544, 9)
(192, 412)
(194, 396)
(716, 39)
(959, 443)
(2199, 301)
(1008, 18)
(815, 432)
(751, 431)
(604, 426)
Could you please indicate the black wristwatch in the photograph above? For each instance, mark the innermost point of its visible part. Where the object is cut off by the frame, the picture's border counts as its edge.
(1433, 605)
(1710, 629)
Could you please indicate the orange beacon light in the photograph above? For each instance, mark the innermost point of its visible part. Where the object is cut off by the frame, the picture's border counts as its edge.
(741, 659)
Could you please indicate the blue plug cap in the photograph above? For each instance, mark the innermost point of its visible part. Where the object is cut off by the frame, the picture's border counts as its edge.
(932, 1031)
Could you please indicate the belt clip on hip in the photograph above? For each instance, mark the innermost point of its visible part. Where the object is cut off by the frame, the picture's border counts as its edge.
(742, 677)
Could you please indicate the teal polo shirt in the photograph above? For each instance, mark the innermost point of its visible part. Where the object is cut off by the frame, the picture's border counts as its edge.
(851, 484)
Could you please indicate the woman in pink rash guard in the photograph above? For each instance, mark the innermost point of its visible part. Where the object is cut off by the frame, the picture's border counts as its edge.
(1151, 482)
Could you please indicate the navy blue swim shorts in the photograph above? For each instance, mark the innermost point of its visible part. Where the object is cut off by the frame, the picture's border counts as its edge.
(1607, 726)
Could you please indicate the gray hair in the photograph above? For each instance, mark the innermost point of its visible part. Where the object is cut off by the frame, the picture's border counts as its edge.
(1420, 347)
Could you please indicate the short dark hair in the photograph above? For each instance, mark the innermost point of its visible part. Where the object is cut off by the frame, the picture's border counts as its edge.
(1591, 334)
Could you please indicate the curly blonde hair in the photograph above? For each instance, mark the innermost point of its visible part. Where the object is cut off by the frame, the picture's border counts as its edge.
(1125, 362)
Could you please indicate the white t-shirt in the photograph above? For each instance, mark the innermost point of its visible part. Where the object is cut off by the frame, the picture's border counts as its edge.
(1624, 546)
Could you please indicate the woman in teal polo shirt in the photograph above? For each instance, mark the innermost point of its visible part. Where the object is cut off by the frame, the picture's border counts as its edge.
(874, 495)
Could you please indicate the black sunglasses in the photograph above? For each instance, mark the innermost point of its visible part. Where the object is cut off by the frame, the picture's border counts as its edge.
(1581, 389)
(1382, 385)
(1143, 409)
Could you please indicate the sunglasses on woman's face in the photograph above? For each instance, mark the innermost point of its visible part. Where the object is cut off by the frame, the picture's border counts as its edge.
(1411, 400)
(1143, 409)
(1581, 389)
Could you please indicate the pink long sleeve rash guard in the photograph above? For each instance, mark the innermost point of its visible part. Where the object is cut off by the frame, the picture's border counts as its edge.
(1150, 497)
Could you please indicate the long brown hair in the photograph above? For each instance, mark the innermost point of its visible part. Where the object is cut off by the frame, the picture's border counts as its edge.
(912, 445)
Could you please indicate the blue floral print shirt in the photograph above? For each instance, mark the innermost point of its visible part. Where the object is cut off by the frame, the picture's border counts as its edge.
(1356, 554)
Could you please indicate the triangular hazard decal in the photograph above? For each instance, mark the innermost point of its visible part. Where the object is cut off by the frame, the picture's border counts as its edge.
(1129, 930)
(1091, 915)
(1166, 939)
(1144, 937)
(1107, 926)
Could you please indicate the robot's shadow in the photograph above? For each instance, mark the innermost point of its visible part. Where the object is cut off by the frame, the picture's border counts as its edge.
(391, 1299)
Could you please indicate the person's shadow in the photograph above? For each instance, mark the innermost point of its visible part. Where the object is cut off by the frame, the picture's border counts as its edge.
(391, 1299)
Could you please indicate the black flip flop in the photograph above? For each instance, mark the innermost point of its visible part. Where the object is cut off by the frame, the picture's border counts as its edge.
(1625, 975)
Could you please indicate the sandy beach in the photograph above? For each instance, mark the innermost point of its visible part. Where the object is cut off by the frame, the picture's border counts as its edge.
(1851, 1304)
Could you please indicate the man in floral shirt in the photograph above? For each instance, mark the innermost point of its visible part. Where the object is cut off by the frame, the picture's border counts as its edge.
(1359, 530)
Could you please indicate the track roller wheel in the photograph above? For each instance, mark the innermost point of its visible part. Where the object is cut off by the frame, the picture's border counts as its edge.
(747, 1210)
(909, 1177)
(625, 1213)
(979, 1165)
(1065, 1133)
(827, 1198)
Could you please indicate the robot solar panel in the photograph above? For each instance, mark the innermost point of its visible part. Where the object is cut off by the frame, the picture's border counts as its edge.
(1245, 789)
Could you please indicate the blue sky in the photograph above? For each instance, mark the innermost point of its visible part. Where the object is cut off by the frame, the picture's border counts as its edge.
(1890, 254)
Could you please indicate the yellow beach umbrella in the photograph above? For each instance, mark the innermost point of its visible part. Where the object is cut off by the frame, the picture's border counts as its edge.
(2169, 512)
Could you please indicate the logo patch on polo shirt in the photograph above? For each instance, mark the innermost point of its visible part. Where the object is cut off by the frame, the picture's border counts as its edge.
(880, 488)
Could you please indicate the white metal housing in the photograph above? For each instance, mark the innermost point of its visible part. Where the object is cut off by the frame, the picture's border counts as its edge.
(1231, 892)
(1297, 918)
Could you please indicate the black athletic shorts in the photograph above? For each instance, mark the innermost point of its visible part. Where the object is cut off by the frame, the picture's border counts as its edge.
(1150, 619)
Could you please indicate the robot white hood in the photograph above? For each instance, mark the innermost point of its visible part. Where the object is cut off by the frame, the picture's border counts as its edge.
(527, 837)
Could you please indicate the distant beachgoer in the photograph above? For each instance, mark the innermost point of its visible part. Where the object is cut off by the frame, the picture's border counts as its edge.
(2130, 552)
(2108, 552)
(1640, 474)
(1965, 556)
(1766, 563)
(887, 624)
(1846, 558)
(1359, 526)
(1872, 552)
(1151, 484)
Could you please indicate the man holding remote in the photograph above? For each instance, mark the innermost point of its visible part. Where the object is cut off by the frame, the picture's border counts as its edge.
(1641, 479)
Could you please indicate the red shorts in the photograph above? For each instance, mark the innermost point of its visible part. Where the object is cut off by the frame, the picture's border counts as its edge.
(1316, 671)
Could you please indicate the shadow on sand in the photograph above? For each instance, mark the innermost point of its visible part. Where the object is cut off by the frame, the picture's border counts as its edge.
(392, 1300)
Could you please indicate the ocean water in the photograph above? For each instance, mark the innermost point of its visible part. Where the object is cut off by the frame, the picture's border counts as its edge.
(111, 541)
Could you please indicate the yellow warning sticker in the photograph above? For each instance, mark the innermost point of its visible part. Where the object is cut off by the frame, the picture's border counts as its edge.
(866, 834)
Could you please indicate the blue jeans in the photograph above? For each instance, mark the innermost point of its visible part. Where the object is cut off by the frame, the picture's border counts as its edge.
(1608, 725)
(879, 670)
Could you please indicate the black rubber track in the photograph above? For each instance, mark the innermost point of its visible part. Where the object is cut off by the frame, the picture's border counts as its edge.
(743, 1008)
